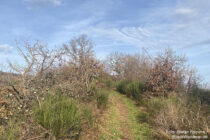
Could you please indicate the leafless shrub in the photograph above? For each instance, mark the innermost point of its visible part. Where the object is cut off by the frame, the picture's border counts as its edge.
(34, 74)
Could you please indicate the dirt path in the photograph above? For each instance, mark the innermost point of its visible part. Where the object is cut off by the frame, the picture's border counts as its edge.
(123, 118)
(115, 123)
(120, 120)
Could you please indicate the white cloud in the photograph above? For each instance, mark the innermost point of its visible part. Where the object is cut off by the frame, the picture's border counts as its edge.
(5, 48)
(174, 26)
(186, 11)
(37, 3)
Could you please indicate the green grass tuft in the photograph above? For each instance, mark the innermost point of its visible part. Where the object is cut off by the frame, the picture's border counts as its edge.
(60, 116)
(102, 97)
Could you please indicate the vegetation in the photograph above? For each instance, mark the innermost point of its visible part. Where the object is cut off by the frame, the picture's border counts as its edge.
(123, 112)
(166, 113)
(133, 90)
(67, 93)
(11, 132)
(102, 98)
(60, 116)
(122, 86)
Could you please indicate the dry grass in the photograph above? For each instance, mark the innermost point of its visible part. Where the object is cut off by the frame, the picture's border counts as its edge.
(173, 114)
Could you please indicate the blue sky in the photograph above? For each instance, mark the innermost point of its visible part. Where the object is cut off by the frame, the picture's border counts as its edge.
(114, 25)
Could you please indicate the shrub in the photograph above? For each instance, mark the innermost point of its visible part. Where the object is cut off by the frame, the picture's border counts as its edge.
(135, 89)
(202, 94)
(166, 74)
(102, 98)
(122, 86)
(60, 116)
(132, 90)
(142, 87)
(109, 83)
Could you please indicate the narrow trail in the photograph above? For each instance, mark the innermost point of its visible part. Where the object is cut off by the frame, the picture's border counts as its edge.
(120, 120)
(123, 117)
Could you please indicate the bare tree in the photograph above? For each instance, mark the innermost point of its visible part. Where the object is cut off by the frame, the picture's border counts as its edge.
(136, 67)
(38, 61)
(82, 66)
(115, 63)
(125, 66)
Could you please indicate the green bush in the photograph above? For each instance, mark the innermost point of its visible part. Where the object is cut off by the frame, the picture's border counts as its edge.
(140, 100)
(133, 90)
(60, 115)
(102, 98)
(122, 86)
(109, 83)
(202, 94)
(142, 87)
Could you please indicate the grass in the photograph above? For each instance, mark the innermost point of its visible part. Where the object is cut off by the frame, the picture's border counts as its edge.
(133, 90)
(139, 130)
(102, 97)
(112, 123)
(60, 116)
(115, 124)
(87, 115)
(11, 133)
